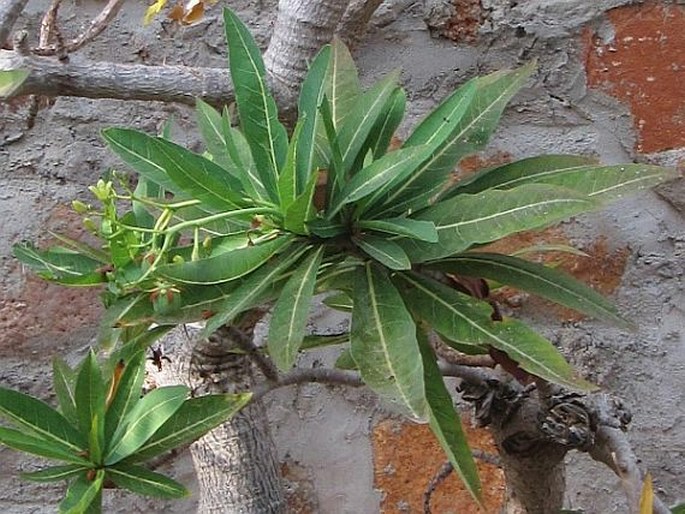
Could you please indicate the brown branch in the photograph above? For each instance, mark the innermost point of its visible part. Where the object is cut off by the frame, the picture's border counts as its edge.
(247, 345)
(304, 376)
(10, 10)
(99, 23)
(47, 24)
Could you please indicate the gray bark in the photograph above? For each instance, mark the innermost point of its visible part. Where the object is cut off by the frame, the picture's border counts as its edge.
(236, 464)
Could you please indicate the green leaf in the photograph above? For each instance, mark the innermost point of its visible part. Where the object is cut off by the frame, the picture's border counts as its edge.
(678, 509)
(335, 172)
(287, 181)
(345, 361)
(385, 251)
(40, 419)
(219, 138)
(54, 473)
(11, 80)
(225, 266)
(145, 189)
(534, 278)
(321, 340)
(60, 265)
(387, 125)
(445, 423)
(383, 342)
(252, 287)
(86, 250)
(339, 301)
(63, 382)
(342, 82)
(90, 405)
(240, 153)
(415, 229)
(31, 444)
(457, 128)
(466, 220)
(499, 176)
(311, 96)
(145, 482)
(302, 209)
(597, 182)
(175, 168)
(395, 165)
(467, 321)
(127, 393)
(81, 493)
(192, 420)
(266, 136)
(289, 318)
(326, 229)
(366, 112)
(143, 420)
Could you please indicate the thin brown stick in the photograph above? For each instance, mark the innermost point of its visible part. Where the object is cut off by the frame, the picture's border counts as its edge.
(314, 375)
(99, 23)
(47, 24)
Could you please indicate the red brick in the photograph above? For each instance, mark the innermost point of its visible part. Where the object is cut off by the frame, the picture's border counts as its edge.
(645, 66)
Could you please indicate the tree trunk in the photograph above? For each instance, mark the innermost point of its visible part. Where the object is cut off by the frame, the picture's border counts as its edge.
(236, 463)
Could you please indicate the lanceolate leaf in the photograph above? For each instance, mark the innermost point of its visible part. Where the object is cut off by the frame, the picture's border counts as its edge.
(311, 95)
(287, 181)
(460, 126)
(445, 423)
(81, 493)
(10, 80)
(64, 381)
(144, 419)
(196, 417)
(54, 473)
(302, 209)
(40, 419)
(415, 229)
(385, 251)
(60, 265)
(257, 109)
(466, 320)
(572, 172)
(342, 82)
(385, 128)
(225, 266)
(127, 393)
(90, 405)
(19, 440)
(219, 139)
(500, 176)
(145, 482)
(383, 342)
(258, 281)
(466, 220)
(175, 168)
(363, 117)
(439, 131)
(534, 278)
(289, 318)
(395, 165)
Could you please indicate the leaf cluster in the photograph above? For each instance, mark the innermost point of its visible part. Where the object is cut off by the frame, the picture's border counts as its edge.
(264, 216)
(104, 430)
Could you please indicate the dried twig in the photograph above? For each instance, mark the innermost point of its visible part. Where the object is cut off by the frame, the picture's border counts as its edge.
(304, 376)
(47, 24)
(99, 23)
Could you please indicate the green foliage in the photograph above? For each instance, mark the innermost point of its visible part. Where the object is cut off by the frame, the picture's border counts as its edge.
(106, 427)
(262, 217)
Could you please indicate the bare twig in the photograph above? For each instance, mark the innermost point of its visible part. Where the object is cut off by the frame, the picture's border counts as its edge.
(247, 345)
(442, 474)
(315, 375)
(453, 356)
(47, 24)
(99, 23)
(476, 376)
(9, 13)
